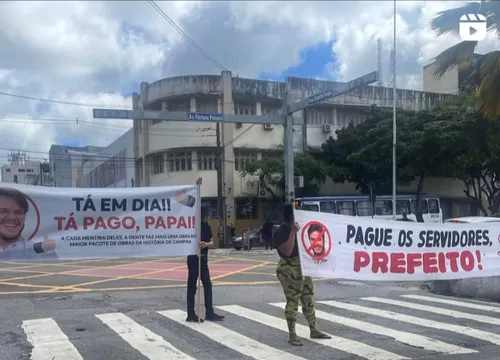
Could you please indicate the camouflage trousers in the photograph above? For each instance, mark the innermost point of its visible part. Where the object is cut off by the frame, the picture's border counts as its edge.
(296, 288)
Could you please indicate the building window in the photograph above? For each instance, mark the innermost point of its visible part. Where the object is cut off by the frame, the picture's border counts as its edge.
(15, 179)
(246, 209)
(243, 158)
(29, 170)
(179, 161)
(319, 116)
(206, 160)
(244, 109)
(414, 206)
(107, 172)
(7, 170)
(211, 206)
(21, 170)
(182, 105)
(270, 110)
(207, 105)
(158, 164)
(433, 206)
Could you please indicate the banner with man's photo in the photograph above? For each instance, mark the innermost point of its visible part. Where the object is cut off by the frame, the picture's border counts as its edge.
(349, 247)
(42, 223)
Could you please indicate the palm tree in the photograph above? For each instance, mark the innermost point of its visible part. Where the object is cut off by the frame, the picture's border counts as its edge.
(485, 74)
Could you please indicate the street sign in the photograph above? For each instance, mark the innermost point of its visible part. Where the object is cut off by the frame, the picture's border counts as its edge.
(110, 114)
(186, 116)
(214, 117)
(330, 93)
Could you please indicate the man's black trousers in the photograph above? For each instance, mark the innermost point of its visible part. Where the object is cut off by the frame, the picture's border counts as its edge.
(192, 263)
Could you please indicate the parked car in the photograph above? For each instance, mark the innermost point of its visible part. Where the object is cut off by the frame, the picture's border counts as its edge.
(472, 219)
(254, 237)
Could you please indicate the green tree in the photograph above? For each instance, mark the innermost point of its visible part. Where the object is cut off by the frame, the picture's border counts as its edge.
(478, 164)
(427, 141)
(269, 171)
(363, 153)
(484, 73)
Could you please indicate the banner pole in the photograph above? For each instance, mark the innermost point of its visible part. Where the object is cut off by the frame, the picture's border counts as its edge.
(198, 219)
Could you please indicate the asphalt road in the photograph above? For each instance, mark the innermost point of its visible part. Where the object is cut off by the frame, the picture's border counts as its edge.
(136, 317)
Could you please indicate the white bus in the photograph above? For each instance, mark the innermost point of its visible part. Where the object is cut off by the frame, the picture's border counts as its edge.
(361, 206)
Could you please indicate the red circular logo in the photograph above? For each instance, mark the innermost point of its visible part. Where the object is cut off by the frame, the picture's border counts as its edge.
(319, 246)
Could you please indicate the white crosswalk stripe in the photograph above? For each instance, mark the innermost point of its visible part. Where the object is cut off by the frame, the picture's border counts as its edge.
(350, 346)
(353, 325)
(149, 344)
(231, 339)
(401, 336)
(437, 310)
(48, 340)
(464, 330)
(478, 305)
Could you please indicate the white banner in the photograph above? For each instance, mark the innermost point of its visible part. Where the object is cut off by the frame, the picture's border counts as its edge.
(338, 246)
(41, 223)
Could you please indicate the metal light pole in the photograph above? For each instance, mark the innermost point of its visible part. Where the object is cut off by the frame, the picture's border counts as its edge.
(394, 121)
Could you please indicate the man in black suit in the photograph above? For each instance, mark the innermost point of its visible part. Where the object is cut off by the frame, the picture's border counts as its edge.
(192, 263)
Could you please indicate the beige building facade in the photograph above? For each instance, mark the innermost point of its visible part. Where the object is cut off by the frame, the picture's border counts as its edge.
(174, 153)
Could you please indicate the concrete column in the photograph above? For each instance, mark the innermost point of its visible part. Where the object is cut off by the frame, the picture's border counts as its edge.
(146, 129)
(136, 139)
(192, 104)
(227, 143)
(258, 108)
(335, 119)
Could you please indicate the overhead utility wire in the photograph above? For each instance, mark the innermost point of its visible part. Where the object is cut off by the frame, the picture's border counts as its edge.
(54, 101)
(186, 36)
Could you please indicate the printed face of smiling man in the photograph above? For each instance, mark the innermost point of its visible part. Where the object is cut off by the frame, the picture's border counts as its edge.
(13, 209)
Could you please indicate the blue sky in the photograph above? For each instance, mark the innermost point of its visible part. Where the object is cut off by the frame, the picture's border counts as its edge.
(131, 89)
(314, 61)
(73, 142)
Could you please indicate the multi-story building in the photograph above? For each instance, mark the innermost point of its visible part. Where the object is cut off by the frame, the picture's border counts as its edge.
(113, 166)
(174, 153)
(452, 81)
(66, 164)
(21, 170)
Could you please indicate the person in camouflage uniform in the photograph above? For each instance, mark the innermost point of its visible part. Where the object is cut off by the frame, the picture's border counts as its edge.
(295, 286)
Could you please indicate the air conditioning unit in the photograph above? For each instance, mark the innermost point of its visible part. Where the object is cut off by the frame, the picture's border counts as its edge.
(327, 128)
(262, 192)
(268, 126)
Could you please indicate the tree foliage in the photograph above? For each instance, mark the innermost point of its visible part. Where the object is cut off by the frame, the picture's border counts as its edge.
(270, 173)
(362, 154)
(453, 140)
(478, 164)
(484, 76)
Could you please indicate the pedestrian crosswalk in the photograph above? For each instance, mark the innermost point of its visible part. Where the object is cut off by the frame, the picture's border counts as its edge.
(408, 326)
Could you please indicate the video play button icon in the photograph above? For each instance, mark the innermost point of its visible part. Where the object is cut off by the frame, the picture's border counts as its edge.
(472, 27)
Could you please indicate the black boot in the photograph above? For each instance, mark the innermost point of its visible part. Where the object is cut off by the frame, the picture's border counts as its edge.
(214, 317)
(193, 318)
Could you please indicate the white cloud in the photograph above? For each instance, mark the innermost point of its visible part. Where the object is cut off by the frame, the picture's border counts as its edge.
(91, 52)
